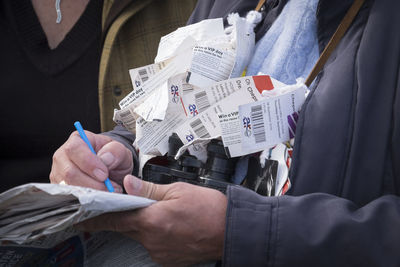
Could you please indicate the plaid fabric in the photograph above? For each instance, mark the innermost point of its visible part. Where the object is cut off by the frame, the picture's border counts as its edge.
(131, 41)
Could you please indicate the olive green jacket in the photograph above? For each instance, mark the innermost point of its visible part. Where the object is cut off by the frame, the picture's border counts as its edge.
(131, 33)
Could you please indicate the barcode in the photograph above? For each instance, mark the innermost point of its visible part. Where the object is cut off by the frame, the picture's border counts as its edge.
(199, 129)
(143, 75)
(127, 119)
(186, 88)
(161, 65)
(201, 101)
(257, 118)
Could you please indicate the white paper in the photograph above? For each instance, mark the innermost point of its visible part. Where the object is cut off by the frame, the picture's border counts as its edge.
(206, 124)
(201, 99)
(243, 37)
(152, 137)
(232, 125)
(266, 122)
(60, 207)
(126, 118)
(211, 64)
(142, 74)
(179, 64)
(171, 44)
(231, 134)
(196, 147)
(155, 106)
(150, 101)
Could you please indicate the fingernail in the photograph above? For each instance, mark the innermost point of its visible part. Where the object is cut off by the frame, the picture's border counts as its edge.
(107, 158)
(135, 183)
(99, 174)
(117, 189)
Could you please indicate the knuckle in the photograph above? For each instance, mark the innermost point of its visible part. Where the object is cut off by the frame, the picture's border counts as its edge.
(68, 173)
(74, 134)
(69, 147)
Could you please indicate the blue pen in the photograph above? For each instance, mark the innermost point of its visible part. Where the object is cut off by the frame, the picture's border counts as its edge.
(81, 132)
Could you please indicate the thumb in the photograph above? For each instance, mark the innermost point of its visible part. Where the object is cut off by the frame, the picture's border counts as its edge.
(138, 187)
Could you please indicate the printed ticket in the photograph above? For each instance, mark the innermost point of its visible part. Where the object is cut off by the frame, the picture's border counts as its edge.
(231, 124)
(210, 64)
(271, 120)
(138, 95)
(142, 74)
(206, 124)
(197, 101)
(231, 134)
(152, 137)
(126, 118)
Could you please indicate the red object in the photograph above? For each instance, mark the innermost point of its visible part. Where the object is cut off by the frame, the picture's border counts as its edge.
(263, 82)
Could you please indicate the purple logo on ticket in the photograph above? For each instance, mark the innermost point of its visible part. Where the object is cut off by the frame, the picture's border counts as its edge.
(175, 93)
(247, 126)
(189, 137)
(193, 110)
(292, 121)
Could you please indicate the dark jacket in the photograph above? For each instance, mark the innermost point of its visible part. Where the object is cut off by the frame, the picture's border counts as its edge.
(343, 208)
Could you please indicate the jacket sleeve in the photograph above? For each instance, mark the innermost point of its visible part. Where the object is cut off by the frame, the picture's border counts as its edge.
(310, 230)
(122, 135)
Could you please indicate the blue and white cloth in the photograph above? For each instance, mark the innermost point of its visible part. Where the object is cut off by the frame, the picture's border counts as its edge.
(289, 49)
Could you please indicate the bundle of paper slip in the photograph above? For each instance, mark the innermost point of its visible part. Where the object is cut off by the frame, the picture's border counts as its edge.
(194, 89)
(30, 211)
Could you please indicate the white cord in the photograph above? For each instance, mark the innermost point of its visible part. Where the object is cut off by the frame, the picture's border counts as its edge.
(58, 10)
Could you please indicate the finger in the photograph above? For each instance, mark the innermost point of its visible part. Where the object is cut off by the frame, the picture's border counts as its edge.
(96, 140)
(117, 158)
(79, 153)
(65, 170)
(138, 187)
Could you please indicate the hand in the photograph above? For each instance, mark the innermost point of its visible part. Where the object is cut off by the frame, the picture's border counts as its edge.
(75, 164)
(184, 227)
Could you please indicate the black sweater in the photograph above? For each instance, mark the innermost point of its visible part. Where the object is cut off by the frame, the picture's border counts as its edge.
(43, 91)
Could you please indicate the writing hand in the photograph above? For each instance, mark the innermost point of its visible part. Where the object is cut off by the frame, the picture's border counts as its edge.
(75, 164)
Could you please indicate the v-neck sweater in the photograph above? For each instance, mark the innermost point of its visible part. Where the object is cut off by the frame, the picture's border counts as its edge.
(43, 90)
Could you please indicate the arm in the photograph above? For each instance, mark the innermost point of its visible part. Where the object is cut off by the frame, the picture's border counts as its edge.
(310, 230)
